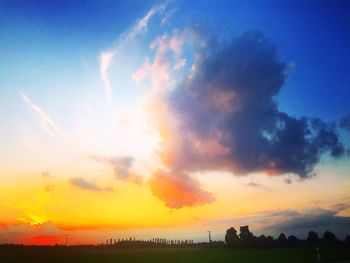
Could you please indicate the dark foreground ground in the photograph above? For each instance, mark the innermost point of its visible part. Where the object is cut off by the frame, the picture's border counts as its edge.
(106, 255)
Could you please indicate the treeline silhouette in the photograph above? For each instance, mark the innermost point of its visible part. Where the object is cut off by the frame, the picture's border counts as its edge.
(159, 243)
(246, 239)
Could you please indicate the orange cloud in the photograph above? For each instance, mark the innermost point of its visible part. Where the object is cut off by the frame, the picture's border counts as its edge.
(176, 188)
(179, 190)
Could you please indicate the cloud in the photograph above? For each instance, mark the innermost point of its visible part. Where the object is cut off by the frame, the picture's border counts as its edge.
(178, 190)
(141, 73)
(49, 125)
(50, 188)
(292, 222)
(168, 15)
(121, 167)
(142, 24)
(83, 184)
(225, 116)
(317, 219)
(254, 184)
(345, 122)
(180, 64)
(45, 174)
(345, 204)
(288, 180)
(160, 70)
(106, 59)
(257, 186)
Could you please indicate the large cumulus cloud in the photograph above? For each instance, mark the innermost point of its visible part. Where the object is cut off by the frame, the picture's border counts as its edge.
(225, 116)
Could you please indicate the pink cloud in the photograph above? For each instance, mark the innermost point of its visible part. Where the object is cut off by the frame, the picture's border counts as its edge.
(179, 190)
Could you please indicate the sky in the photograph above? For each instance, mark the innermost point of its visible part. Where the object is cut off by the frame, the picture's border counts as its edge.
(170, 118)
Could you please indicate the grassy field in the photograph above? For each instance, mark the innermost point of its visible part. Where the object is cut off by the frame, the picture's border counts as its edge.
(106, 255)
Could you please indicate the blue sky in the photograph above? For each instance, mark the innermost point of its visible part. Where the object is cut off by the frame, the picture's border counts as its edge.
(45, 36)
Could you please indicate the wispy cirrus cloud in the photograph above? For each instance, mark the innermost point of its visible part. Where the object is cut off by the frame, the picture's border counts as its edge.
(106, 60)
(107, 57)
(121, 165)
(168, 15)
(142, 24)
(49, 125)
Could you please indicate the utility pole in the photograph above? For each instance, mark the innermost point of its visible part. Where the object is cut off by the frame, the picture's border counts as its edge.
(209, 232)
(66, 240)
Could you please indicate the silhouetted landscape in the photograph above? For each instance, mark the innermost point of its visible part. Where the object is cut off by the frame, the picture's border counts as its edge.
(244, 247)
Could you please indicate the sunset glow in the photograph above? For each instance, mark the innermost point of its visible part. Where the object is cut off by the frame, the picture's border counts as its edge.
(121, 119)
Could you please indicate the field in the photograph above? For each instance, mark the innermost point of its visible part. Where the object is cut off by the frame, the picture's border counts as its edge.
(106, 255)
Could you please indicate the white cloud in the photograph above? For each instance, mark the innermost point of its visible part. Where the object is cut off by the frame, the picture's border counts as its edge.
(106, 58)
(49, 125)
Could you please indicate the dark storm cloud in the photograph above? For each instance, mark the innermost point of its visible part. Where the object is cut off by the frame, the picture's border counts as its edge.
(318, 220)
(292, 222)
(345, 122)
(228, 116)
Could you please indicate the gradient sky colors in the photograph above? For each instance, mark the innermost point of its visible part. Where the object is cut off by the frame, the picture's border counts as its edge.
(166, 119)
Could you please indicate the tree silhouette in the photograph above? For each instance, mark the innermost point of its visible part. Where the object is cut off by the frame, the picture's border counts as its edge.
(269, 241)
(347, 241)
(282, 240)
(312, 239)
(231, 237)
(261, 241)
(293, 241)
(329, 239)
(247, 237)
